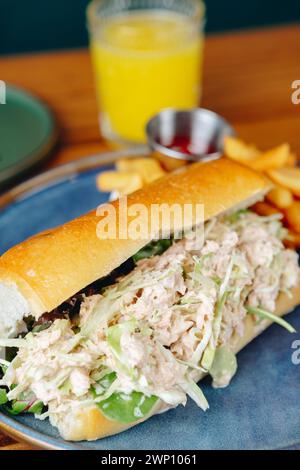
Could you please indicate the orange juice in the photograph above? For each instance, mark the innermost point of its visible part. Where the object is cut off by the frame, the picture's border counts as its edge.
(145, 61)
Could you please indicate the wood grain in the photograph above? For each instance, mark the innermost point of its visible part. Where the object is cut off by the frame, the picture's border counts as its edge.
(247, 79)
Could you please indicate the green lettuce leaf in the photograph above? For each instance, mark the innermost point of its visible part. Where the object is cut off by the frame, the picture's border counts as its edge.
(152, 249)
(120, 406)
(3, 396)
(127, 408)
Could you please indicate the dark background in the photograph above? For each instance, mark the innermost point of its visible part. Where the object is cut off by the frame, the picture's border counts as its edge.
(29, 25)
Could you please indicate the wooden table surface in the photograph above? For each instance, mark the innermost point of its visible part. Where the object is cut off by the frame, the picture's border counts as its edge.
(247, 78)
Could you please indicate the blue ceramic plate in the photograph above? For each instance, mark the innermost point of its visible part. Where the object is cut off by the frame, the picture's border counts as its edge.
(259, 410)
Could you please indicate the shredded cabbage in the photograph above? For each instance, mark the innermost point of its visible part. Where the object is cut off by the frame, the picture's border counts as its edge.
(195, 392)
(270, 316)
(209, 353)
(114, 334)
(224, 367)
(12, 343)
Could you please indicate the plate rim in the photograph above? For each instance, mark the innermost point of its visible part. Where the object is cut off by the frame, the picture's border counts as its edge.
(72, 168)
(40, 152)
(45, 179)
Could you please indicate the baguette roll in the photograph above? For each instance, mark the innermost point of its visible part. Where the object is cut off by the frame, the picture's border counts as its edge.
(41, 273)
(51, 267)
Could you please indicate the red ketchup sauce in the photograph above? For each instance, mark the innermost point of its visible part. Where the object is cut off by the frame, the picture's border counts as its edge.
(185, 145)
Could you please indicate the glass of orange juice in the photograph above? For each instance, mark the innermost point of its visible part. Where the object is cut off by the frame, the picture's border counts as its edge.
(147, 55)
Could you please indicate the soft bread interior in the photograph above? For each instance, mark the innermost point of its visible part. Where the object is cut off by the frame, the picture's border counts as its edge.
(54, 265)
(90, 424)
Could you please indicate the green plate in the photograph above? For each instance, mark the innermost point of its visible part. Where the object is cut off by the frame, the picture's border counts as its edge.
(27, 134)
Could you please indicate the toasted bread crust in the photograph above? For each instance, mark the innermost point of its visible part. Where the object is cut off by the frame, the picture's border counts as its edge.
(54, 265)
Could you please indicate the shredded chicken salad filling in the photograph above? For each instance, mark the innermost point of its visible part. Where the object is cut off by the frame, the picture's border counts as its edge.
(149, 335)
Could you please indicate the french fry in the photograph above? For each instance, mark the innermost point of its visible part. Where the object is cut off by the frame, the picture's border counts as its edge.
(124, 164)
(292, 216)
(288, 178)
(272, 159)
(292, 160)
(279, 164)
(121, 181)
(238, 150)
(293, 240)
(148, 168)
(265, 209)
(136, 183)
(280, 197)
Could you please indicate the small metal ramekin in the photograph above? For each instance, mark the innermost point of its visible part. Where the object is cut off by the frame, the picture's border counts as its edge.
(199, 125)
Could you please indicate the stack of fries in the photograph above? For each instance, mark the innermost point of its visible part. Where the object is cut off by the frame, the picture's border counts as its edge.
(130, 175)
(279, 165)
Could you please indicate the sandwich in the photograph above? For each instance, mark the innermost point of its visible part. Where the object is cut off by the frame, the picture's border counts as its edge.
(102, 333)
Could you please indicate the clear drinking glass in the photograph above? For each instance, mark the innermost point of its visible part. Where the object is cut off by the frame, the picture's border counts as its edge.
(147, 55)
